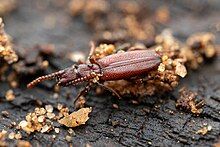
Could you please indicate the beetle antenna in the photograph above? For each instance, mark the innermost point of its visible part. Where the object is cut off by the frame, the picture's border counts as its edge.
(43, 78)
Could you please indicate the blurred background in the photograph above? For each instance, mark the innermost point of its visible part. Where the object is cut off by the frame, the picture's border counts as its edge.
(73, 24)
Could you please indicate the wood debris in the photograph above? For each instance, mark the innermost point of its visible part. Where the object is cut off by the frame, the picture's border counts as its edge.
(6, 50)
(37, 121)
(10, 95)
(204, 130)
(41, 120)
(187, 101)
(76, 118)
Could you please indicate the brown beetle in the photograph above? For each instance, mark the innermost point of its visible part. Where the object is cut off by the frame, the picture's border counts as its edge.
(113, 67)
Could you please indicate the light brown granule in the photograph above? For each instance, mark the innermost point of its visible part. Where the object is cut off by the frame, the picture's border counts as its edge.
(70, 131)
(49, 108)
(18, 136)
(13, 123)
(39, 111)
(41, 119)
(23, 143)
(181, 70)
(10, 95)
(44, 64)
(26, 126)
(161, 67)
(50, 115)
(104, 50)
(14, 84)
(80, 102)
(59, 106)
(45, 129)
(64, 111)
(68, 138)
(11, 135)
(42, 111)
(204, 130)
(76, 118)
(57, 130)
(23, 124)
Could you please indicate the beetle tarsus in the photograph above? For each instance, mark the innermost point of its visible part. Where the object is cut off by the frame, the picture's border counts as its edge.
(82, 93)
(109, 89)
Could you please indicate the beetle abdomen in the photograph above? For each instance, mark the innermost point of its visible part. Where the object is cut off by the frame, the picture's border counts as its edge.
(128, 64)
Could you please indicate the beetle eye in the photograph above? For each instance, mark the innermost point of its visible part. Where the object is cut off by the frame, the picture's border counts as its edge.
(90, 65)
(76, 66)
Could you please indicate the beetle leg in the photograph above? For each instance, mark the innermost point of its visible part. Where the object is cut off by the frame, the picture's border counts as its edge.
(109, 89)
(200, 104)
(83, 92)
(91, 53)
(91, 58)
(137, 79)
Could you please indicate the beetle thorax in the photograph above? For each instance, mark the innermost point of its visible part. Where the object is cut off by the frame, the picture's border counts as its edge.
(88, 69)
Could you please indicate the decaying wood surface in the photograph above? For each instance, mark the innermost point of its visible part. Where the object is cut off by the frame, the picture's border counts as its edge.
(156, 121)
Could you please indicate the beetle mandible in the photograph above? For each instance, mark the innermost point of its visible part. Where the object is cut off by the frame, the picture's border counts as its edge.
(117, 66)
